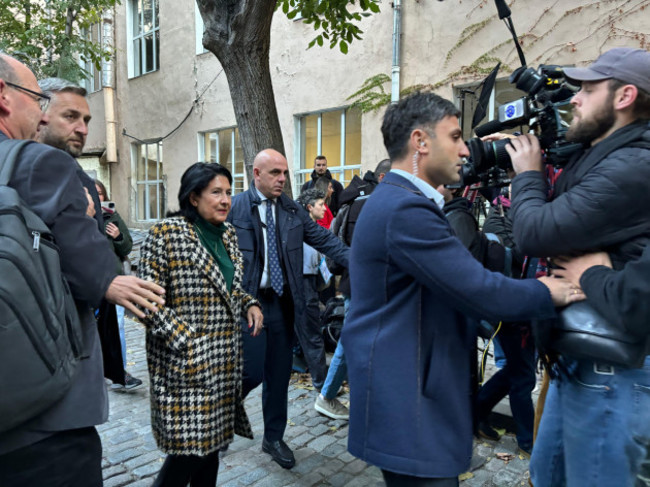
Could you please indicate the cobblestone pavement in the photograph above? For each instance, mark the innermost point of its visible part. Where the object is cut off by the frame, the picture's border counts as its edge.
(131, 458)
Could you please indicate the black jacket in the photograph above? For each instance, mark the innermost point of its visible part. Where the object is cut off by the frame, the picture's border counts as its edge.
(500, 224)
(601, 201)
(334, 203)
(355, 196)
(47, 180)
(489, 253)
(622, 297)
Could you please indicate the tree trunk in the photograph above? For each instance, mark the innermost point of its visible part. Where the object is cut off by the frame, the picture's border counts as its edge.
(238, 33)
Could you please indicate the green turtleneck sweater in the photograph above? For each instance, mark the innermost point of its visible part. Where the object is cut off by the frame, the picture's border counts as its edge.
(211, 236)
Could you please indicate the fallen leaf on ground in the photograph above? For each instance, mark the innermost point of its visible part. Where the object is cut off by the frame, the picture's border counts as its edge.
(465, 476)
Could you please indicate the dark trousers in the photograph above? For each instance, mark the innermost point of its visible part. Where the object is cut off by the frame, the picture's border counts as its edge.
(310, 335)
(71, 458)
(393, 479)
(268, 358)
(178, 470)
(517, 379)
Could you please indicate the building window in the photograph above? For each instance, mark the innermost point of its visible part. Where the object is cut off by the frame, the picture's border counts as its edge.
(150, 183)
(93, 82)
(224, 147)
(335, 134)
(199, 29)
(144, 45)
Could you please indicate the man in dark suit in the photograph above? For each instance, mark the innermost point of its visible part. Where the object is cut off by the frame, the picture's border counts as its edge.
(271, 229)
(61, 447)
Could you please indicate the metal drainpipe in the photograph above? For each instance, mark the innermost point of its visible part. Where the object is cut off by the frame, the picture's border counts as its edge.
(108, 85)
(397, 32)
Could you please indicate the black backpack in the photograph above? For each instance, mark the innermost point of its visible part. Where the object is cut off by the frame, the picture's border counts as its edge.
(331, 321)
(40, 332)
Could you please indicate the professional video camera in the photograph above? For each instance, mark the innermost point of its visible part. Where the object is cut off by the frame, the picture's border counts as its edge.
(546, 110)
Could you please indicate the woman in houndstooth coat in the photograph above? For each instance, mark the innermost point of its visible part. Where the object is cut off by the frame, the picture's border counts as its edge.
(194, 343)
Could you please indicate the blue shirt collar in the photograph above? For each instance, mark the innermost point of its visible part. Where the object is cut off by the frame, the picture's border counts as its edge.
(427, 190)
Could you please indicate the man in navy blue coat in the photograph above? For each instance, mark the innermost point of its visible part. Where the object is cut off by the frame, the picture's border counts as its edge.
(271, 229)
(414, 289)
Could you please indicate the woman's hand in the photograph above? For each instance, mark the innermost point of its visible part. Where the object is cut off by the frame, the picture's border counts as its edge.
(255, 320)
(562, 291)
(112, 230)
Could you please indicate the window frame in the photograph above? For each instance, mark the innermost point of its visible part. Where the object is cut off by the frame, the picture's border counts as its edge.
(199, 29)
(146, 183)
(93, 73)
(233, 159)
(133, 10)
(300, 171)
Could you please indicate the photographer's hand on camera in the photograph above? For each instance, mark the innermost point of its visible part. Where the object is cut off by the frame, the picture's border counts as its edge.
(525, 153)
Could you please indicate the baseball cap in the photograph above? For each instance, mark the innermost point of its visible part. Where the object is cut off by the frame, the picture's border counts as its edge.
(623, 63)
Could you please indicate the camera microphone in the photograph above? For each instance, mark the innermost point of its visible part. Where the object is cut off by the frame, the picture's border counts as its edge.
(489, 128)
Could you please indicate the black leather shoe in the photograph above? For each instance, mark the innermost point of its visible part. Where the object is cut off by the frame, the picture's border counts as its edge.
(280, 452)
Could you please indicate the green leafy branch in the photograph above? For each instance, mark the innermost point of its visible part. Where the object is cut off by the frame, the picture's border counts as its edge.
(48, 35)
(331, 18)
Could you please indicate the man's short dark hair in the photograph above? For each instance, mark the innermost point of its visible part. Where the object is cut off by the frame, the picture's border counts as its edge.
(419, 110)
(382, 168)
(320, 158)
(641, 110)
(7, 73)
(52, 86)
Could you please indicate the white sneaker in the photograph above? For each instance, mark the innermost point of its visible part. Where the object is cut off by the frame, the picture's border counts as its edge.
(331, 408)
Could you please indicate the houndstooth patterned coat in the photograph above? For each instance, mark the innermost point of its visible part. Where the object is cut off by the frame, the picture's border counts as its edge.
(194, 342)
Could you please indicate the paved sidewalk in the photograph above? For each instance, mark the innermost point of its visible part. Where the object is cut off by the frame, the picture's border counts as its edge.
(132, 459)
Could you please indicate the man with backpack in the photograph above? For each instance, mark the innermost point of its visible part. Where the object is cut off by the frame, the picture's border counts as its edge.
(56, 445)
(352, 200)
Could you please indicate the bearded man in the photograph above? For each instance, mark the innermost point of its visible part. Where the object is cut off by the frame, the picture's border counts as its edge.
(596, 424)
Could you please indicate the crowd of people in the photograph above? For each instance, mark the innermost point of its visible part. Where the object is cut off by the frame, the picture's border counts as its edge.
(228, 287)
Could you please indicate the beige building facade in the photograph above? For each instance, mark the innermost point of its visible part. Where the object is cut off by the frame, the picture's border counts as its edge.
(168, 104)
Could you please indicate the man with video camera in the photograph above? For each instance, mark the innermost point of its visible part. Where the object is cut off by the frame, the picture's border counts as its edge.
(596, 423)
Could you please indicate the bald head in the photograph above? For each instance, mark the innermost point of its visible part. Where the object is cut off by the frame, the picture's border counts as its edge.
(270, 170)
(20, 110)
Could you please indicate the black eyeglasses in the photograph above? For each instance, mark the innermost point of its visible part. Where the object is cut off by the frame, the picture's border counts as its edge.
(42, 99)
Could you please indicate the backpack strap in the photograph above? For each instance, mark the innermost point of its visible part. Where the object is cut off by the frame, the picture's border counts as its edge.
(9, 150)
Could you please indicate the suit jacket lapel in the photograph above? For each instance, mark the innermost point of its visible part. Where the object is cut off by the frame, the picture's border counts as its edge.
(284, 218)
(257, 222)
